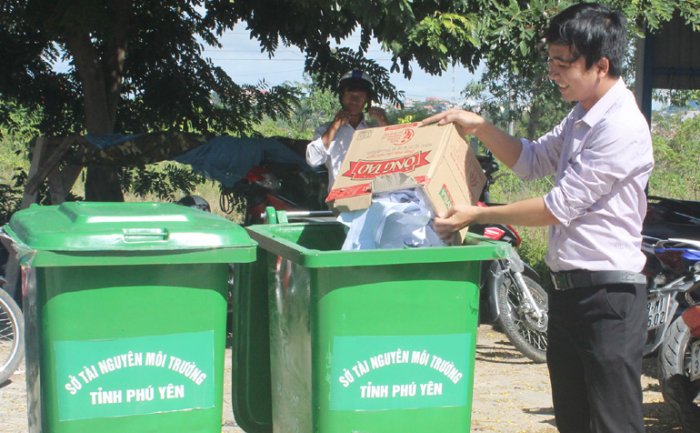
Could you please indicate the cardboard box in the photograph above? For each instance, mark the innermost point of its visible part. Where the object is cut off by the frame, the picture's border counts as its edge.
(434, 158)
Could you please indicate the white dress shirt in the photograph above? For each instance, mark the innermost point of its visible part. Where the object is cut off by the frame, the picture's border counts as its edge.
(602, 159)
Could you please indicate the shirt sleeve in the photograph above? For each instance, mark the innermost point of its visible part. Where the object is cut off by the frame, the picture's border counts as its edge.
(613, 152)
(316, 152)
(539, 158)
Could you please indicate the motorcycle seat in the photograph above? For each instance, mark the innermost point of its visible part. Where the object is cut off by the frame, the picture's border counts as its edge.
(671, 230)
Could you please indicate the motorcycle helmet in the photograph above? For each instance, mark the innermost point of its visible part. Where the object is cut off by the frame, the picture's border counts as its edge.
(195, 201)
(356, 80)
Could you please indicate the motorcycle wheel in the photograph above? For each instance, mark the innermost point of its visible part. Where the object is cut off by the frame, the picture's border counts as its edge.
(11, 336)
(524, 331)
(674, 375)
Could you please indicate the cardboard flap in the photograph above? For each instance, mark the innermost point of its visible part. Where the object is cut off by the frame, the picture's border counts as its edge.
(393, 182)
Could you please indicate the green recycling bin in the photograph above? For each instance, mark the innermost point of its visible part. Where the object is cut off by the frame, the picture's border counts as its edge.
(126, 308)
(373, 341)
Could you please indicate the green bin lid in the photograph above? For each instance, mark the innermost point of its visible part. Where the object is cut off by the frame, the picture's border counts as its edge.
(108, 233)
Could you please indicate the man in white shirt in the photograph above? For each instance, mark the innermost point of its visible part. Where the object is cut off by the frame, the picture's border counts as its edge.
(332, 139)
(601, 157)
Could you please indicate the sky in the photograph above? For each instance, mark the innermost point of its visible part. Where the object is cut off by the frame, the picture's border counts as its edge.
(241, 58)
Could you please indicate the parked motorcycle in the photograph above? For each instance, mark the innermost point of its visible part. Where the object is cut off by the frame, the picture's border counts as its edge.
(679, 352)
(682, 215)
(670, 277)
(512, 297)
(667, 224)
(673, 266)
(282, 186)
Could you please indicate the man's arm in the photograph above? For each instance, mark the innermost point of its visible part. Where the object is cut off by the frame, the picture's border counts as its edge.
(504, 146)
(316, 152)
(342, 117)
(531, 212)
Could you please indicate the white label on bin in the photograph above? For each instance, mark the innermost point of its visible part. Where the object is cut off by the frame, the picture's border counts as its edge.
(134, 376)
(401, 372)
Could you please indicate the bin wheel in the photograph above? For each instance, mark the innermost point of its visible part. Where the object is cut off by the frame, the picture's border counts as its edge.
(11, 336)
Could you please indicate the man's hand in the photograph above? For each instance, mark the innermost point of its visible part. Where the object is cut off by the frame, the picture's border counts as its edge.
(506, 148)
(378, 115)
(465, 121)
(342, 117)
(456, 218)
(531, 212)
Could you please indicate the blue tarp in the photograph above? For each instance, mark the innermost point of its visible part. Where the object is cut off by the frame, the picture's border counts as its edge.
(228, 159)
(223, 158)
(104, 141)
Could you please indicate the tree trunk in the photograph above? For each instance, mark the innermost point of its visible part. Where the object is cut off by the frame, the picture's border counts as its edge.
(533, 120)
(101, 77)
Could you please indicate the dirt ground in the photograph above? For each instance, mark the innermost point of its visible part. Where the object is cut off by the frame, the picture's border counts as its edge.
(511, 394)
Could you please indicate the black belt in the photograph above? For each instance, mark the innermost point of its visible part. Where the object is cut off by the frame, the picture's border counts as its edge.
(566, 280)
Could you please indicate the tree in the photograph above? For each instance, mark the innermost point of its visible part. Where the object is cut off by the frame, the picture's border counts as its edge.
(515, 89)
(133, 67)
(677, 155)
(137, 66)
(525, 107)
(678, 98)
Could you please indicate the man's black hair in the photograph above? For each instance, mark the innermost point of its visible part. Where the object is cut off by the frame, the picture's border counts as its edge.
(593, 31)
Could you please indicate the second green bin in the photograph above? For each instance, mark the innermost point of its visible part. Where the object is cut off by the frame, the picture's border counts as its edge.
(376, 341)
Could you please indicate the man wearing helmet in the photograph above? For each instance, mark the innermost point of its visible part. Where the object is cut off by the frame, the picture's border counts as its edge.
(332, 139)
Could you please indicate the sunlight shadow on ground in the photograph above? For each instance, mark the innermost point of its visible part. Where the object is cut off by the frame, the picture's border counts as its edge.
(501, 352)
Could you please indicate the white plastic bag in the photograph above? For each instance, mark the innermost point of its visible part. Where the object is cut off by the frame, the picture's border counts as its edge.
(397, 219)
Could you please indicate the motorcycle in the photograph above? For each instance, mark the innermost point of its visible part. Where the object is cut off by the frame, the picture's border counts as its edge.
(679, 351)
(668, 227)
(512, 297)
(283, 186)
(682, 215)
(673, 268)
(669, 279)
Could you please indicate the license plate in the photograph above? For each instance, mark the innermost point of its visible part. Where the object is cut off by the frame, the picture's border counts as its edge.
(695, 361)
(657, 310)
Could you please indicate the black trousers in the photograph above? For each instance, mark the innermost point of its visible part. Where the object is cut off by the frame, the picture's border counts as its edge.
(596, 341)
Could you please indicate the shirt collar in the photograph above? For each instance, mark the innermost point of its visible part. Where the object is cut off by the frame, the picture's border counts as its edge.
(600, 108)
